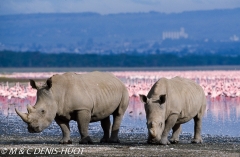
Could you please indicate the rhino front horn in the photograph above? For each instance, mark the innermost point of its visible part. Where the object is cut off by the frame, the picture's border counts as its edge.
(22, 115)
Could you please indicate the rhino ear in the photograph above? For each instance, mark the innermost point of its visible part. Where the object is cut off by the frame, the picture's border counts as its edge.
(143, 98)
(162, 99)
(33, 84)
(49, 83)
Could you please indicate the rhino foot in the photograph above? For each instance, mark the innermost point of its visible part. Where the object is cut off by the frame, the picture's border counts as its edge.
(104, 140)
(113, 140)
(164, 142)
(174, 141)
(65, 142)
(197, 141)
(86, 140)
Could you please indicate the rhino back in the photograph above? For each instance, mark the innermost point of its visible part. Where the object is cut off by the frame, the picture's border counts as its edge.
(98, 92)
(183, 96)
(105, 90)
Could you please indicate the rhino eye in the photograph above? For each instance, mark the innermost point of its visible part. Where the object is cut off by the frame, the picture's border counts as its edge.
(42, 111)
(160, 124)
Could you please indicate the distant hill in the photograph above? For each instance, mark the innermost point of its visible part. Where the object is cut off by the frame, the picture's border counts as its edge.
(30, 59)
(82, 31)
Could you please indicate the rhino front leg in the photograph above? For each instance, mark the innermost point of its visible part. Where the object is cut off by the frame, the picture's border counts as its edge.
(64, 125)
(106, 123)
(175, 135)
(197, 130)
(170, 122)
(83, 120)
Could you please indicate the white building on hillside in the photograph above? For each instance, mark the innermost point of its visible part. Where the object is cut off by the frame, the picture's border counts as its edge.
(175, 35)
(234, 38)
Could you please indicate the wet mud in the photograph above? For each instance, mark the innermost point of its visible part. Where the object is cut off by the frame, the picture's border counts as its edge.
(131, 145)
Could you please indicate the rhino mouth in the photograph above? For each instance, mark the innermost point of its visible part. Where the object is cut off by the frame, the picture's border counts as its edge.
(34, 129)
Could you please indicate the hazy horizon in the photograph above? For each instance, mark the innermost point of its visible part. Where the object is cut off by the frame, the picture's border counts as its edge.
(8, 7)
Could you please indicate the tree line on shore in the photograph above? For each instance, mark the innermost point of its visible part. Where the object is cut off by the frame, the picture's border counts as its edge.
(37, 59)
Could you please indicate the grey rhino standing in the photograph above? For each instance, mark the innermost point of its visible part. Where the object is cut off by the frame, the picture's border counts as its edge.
(170, 103)
(84, 98)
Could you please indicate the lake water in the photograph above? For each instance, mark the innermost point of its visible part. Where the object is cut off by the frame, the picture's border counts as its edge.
(222, 117)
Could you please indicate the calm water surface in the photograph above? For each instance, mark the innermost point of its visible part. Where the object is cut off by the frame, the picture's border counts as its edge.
(222, 116)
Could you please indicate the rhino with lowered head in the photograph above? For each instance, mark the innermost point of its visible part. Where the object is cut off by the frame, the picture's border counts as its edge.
(84, 98)
(170, 103)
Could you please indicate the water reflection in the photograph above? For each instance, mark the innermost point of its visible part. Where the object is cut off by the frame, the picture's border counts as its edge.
(221, 118)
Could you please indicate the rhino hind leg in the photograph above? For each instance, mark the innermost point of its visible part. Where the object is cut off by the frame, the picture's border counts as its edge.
(64, 125)
(117, 118)
(197, 130)
(106, 124)
(175, 135)
(83, 120)
(198, 125)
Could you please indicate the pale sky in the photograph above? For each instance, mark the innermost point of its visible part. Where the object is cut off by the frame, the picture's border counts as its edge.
(111, 6)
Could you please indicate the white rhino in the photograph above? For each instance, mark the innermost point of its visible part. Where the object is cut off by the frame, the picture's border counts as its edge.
(84, 98)
(170, 103)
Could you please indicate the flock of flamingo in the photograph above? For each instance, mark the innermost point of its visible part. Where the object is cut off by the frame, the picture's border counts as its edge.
(17, 91)
(214, 83)
(219, 86)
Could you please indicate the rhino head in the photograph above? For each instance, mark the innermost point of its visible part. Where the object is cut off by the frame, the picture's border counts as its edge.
(155, 115)
(41, 115)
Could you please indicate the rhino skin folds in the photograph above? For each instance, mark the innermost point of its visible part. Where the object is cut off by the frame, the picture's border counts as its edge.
(84, 98)
(170, 103)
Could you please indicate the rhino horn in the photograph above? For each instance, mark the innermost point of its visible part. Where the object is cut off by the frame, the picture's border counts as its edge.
(22, 115)
(30, 108)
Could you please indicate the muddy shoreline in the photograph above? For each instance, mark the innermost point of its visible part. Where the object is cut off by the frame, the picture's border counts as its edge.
(131, 145)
